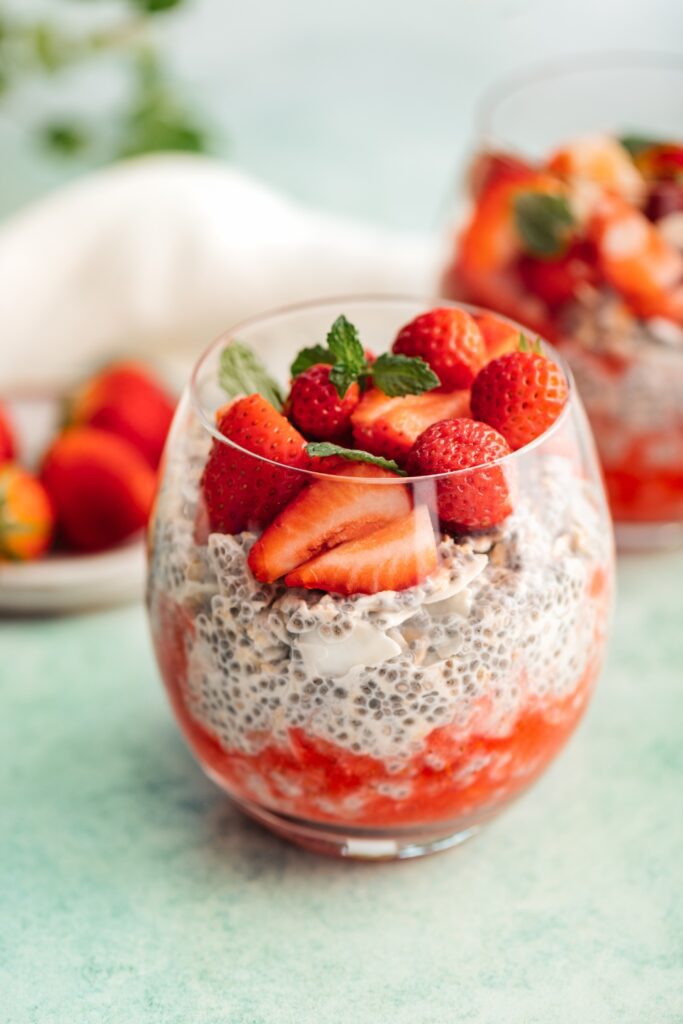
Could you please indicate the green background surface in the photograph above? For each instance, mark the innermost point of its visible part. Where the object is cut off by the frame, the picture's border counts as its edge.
(130, 890)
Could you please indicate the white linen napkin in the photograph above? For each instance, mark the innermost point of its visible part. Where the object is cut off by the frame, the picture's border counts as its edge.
(155, 256)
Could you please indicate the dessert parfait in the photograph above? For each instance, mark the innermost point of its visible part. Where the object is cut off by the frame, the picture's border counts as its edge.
(582, 239)
(380, 570)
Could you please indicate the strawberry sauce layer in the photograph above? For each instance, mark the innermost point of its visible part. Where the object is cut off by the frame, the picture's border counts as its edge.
(460, 773)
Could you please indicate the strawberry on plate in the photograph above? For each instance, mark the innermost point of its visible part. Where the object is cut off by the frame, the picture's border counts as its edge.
(242, 492)
(449, 340)
(328, 512)
(101, 486)
(7, 442)
(466, 501)
(520, 394)
(126, 400)
(396, 556)
(26, 515)
(316, 408)
(389, 426)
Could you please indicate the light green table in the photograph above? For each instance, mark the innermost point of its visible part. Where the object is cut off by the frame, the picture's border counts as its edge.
(131, 891)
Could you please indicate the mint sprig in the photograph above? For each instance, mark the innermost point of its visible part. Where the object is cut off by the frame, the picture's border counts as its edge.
(544, 223)
(634, 143)
(395, 375)
(241, 372)
(309, 357)
(321, 449)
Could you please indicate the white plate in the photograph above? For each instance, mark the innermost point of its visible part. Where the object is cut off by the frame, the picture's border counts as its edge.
(64, 582)
(69, 583)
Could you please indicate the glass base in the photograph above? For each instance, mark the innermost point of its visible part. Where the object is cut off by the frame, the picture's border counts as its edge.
(648, 536)
(360, 844)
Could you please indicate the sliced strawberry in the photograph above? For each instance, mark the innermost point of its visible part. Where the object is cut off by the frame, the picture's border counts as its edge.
(393, 557)
(242, 492)
(499, 335)
(327, 513)
(473, 500)
(389, 426)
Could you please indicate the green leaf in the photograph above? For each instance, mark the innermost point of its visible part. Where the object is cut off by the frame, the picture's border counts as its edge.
(321, 449)
(634, 143)
(66, 138)
(309, 357)
(341, 378)
(156, 6)
(544, 223)
(344, 344)
(241, 372)
(397, 375)
(526, 345)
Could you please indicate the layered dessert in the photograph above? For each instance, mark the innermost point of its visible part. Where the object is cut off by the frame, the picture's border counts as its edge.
(381, 601)
(586, 247)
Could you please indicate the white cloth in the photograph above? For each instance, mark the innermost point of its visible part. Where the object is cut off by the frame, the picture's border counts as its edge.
(155, 256)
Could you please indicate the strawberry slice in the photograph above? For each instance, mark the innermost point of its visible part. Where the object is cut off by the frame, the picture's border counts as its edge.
(327, 513)
(394, 557)
(240, 491)
(389, 426)
(499, 335)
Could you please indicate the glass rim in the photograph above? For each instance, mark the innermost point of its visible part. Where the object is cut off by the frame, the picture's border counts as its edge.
(375, 300)
(516, 82)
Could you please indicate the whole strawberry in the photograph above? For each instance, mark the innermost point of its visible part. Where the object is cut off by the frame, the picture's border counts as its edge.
(7, 444)
(521, 394)
(466, 501)
(27, 517)
(316, 408)
(242, 490)
(101, 487)
(449, 340)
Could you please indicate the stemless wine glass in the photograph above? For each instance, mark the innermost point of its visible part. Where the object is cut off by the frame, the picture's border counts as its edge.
(391, 724)
(627, 358)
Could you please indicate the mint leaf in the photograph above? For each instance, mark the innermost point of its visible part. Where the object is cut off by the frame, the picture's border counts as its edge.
(241, 372)
(634, 143)
(309, 357)
(323, 448)
(544, 223)
(344, 344)
(397, 375)
(341, 378)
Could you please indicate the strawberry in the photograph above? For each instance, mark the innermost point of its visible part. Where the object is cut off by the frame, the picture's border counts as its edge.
(125, 400)
(326, 513)
(556, 280)
(101, 486)
(7, 443)
(243, 492)
(520, 394)
(315, 407)
(389, 426)
(449, 340)
(26, 515)
(499, 335)
(466, 501)
(394, 557)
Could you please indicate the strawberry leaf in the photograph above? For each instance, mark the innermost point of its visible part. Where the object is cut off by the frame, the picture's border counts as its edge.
(398, 375)
(634, 144)
(344, 344)
(322, 449)
(309, 357)
(544, 223)
(241, 372)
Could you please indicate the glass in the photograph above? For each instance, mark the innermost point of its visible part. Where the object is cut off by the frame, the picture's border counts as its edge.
(392, 724)
(626, 355)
